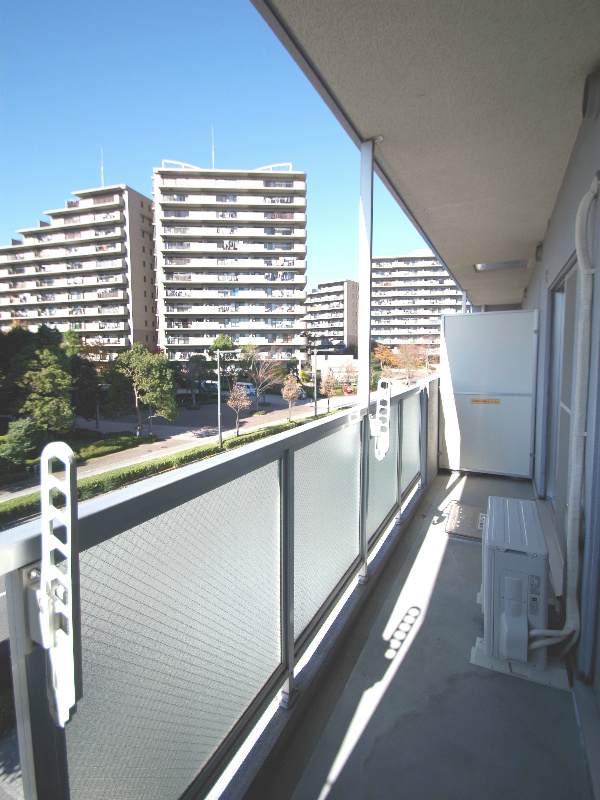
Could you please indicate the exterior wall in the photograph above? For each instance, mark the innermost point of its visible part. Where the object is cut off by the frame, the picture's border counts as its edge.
(142, 272)
(76, 272)
(230, 258)
(408, 296)
(332, 312)
(557, 249)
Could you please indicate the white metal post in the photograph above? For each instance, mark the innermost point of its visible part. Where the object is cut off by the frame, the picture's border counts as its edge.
(365, 253)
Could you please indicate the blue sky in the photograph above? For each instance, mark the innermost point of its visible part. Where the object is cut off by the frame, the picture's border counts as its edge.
(145, 81)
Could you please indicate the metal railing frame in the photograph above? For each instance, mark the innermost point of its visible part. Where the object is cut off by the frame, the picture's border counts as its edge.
(105, 517)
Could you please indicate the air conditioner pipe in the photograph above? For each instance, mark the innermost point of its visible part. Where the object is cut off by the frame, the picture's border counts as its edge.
(577, 450)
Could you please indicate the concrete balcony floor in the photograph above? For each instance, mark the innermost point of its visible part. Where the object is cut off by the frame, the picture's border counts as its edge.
(421, 722)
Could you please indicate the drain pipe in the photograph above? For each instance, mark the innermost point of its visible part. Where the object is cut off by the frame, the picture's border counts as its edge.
(577, 451)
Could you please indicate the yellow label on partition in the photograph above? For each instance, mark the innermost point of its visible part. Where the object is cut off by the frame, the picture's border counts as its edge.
(484, 402)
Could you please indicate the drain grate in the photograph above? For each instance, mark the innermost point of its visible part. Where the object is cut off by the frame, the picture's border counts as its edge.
(466, 522)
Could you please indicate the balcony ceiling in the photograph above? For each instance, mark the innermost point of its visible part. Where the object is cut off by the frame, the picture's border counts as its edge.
(478, 105)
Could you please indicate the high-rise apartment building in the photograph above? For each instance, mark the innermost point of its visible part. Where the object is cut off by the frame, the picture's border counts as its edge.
(332, 312)
(90, 269)
(409, 295)
(230, 249)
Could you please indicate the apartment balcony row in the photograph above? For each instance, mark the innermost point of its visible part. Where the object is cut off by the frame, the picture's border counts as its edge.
(240, 233)
(105, 202)
(315, 308)
(331, 315)
(424, 291)
(244, 248)
(80, 265)
(254, 202)
(240, 278)
(220, 185)
(55, 231)
(207, 265)
(96, 325)
(61, 282)
(63, 297)
(70, 250)
(244, 293)
(181, 216)
(247, 307)
(43, 312)
(181, 346)
(242, 323)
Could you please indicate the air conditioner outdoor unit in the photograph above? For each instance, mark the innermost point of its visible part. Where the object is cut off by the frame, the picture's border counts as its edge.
(514, 582)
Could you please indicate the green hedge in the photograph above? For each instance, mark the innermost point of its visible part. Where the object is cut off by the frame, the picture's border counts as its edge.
(28, 505)
(254, 436)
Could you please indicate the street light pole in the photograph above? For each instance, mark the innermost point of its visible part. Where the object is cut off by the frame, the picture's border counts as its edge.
(219, 398)
(315, 378)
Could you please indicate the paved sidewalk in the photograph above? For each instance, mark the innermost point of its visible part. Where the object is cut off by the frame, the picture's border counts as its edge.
(190, 429)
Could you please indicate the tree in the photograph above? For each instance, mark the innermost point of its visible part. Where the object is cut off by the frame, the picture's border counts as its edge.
(151, 379)
(263, 372)
(193, 372)
(328, 387)
(19, 441)
(410, 358)
(291, 392)
(239, 401)
(85, 390)
(348, 372)
(383, 354)
(222, 342)
(49, 384)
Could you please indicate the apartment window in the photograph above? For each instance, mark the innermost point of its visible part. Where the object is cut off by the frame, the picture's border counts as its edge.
(146, 309)
(146, 322)
(226, 198)
(105, 198)
(146, 337)
(144, 263)
(176, 213)
(144, 279)
(144, 293)
(142, 204)
(143, 234)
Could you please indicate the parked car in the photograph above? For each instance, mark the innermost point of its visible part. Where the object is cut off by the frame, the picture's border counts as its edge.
(302, 395)
(249, 387)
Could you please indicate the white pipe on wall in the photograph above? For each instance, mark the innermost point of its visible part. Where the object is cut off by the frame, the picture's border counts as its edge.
(578, 429)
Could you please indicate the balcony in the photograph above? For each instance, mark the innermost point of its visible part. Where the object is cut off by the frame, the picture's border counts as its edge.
(383, 693)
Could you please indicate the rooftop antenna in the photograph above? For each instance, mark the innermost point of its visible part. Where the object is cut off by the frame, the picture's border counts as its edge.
(101, 167)
(212, 133)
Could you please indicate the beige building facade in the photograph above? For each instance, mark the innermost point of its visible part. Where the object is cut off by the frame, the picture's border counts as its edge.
(408, 297)
(332, 312)
(231, 258)
(89, 269)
